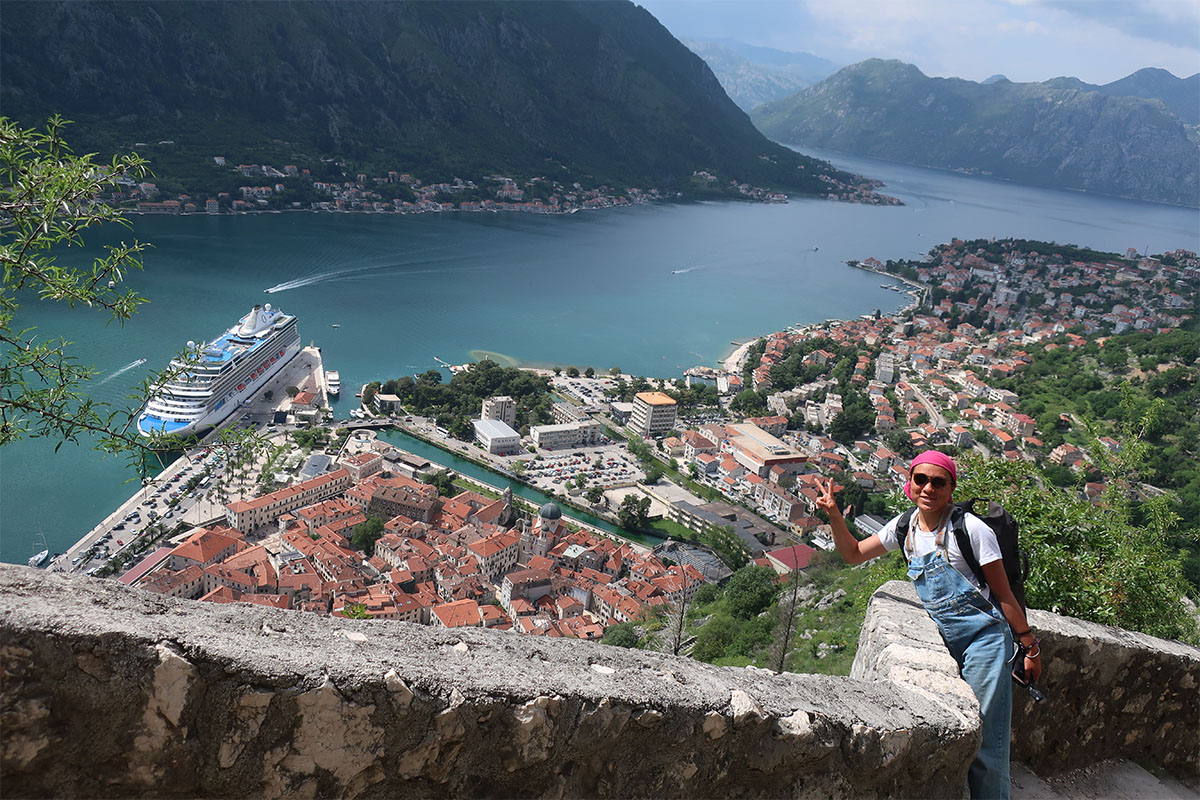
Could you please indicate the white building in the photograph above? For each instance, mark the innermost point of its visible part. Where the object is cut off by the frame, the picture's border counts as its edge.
(496, 437)
(885, 368)
(573, 434)
(503, 408)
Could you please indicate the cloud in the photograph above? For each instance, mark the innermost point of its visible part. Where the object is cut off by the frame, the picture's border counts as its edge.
(1096, 40)
(1028, 40)
(1173, 22)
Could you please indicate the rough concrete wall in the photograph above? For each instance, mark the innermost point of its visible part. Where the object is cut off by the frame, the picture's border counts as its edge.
(1110, 693)
(112, 692)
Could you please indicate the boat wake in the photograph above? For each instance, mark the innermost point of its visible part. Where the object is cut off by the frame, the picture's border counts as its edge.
(389, 270)
(123, 370)
(692, 268)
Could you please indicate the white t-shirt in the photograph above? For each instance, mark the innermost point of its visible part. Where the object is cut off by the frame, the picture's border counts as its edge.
(983, 540)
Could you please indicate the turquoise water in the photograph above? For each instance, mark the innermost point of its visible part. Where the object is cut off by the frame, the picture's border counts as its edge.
(652, 289)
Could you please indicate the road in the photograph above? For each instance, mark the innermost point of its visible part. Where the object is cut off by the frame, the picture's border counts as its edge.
(934, 415)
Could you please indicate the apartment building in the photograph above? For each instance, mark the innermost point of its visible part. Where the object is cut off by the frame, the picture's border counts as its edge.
(502, 408)
(653, 414)
(573, 434)
(249, 515)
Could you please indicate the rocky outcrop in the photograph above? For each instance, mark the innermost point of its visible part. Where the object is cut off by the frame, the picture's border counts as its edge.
(109, 691)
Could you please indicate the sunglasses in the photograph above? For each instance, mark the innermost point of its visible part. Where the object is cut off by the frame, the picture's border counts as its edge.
(920, 479)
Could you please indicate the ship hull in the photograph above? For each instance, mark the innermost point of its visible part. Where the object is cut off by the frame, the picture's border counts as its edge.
(225, 397)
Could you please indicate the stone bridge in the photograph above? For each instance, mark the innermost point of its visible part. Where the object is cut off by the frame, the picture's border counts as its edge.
(113, 692)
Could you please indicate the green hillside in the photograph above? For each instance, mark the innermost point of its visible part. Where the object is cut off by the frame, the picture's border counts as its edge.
(597, 92)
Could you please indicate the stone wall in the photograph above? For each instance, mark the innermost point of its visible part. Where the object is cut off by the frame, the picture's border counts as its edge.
(1110, 693)
(108, 691)
(113, 692)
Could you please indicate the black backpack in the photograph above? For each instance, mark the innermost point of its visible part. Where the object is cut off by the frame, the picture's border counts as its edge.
(1002, 524)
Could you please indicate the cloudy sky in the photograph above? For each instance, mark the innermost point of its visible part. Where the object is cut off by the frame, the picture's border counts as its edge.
(1027, 40)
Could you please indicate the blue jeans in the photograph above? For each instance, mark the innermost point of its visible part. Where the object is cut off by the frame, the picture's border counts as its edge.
(981, 642)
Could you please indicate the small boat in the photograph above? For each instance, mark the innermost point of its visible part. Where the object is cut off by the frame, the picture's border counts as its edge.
(334, 325)
(39, 558)
(815, 248)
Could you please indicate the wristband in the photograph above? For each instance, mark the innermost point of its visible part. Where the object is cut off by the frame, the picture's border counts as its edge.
(1025, 632)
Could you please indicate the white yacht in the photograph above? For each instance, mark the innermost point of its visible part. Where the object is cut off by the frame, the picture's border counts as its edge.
(333, 382)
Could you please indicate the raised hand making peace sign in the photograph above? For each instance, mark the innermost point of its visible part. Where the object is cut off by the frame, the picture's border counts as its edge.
(825, 499)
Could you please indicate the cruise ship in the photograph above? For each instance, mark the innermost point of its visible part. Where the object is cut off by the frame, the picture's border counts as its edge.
(333, 382)
(222, 374)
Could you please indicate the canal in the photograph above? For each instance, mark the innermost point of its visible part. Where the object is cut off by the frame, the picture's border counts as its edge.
(499, 482)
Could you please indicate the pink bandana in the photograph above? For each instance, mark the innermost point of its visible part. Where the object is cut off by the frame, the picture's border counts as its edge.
(930, 457)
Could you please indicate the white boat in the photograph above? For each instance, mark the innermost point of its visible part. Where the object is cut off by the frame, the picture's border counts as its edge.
(333, 382)
(39, 558)
(214, 379)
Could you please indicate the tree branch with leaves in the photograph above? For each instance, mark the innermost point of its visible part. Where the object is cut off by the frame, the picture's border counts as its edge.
(48, 197)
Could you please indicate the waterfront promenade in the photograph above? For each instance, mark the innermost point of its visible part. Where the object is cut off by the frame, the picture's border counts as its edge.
(124, 528)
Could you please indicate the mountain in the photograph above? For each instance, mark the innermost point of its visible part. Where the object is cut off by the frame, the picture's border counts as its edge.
(1181, 95)
(754, 75)
(587, 91)
(1027, 132)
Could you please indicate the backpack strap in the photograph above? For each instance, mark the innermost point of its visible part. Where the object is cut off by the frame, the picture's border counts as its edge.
(958, 518)
(902, 526)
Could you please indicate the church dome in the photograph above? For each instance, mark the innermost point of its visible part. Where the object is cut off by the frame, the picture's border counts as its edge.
(550, 511)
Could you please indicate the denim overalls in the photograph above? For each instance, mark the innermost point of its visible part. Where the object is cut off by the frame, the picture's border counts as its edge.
(980, 640)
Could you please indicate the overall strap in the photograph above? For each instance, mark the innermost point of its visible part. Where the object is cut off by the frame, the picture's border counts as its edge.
(958, 516)
(904, 534)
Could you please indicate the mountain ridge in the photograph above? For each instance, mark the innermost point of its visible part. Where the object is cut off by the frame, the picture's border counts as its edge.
(1031, 133)
(753, 75)
(1181, 95)
(592, 91)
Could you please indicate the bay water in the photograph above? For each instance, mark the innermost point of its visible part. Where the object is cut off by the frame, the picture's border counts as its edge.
(650, 289)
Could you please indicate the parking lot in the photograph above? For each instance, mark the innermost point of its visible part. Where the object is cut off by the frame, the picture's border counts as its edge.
(589, 391)
(164, 501)
(610, 465)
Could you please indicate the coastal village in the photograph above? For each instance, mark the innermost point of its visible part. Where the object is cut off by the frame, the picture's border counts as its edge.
(292, 188)
(470, 559)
